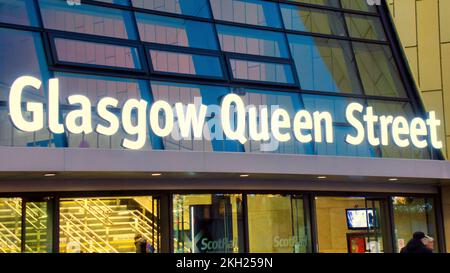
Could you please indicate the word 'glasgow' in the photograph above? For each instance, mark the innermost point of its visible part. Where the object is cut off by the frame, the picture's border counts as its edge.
(238, 121)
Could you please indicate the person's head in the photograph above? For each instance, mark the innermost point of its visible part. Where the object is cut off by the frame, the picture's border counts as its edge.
(137, 237)
(418, 235)
(428, 242)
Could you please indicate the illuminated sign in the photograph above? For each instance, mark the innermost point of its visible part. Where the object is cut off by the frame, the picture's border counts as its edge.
(239, 122)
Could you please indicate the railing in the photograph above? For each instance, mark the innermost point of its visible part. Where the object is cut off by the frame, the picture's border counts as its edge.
(18, 212)
(95, 211)
(143, 226)
(85, 234)
(6, 240)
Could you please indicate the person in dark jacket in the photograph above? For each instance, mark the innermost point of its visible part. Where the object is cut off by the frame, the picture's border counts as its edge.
(416, 245)
(140, 244)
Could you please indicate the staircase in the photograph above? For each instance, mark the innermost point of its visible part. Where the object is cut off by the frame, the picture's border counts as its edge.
(86, 225)
(106, 225)
(11, 226)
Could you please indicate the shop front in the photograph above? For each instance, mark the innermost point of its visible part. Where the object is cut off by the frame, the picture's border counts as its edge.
(293, 127)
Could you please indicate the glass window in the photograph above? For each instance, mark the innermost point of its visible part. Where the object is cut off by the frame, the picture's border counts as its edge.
(208, 223)
(11, 225)
(109, 225)
(213, 136)
(87, 19)
(116, 2)
(350, 225)
(21, 12)
(22, 52)
(378, 70)
(276, 224)
(291, 102)
(331, 3)
(324, 64)
(365, 27)
(83, 52)
(186, 63)
(174, 31)
(251, 41)
(197, 8)
(412, 214)
(262, 71)
(360, 5)
(403, 109)
(252, 12)
(38, 237)
(95, 88)
(312, 20)
(336, 106)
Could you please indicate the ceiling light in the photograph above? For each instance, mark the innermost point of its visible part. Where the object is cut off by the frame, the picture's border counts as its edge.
(321, 177)
(393, 179)
(50, 174)
(156, 174)
(244, 175)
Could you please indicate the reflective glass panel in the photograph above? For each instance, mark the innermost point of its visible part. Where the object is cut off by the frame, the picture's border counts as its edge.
(251, 41)
(116, 2)
(403, 109)
(277, 224)
(22, 52)
(251, 12)
(365, 27)
(413, 214)
(331, 3)
(83, 52)
(378, 70)
(21, 12)
(350, 225)
(174, 31)
(186, 63)
(262, 71)
(109, 225)
(213, 138)
(361, 5)
(312, 20)
(336, 106)
(87, 19)
(208, 223)
(95, 88)
(197, 8)
(11, 225)
(324, 64)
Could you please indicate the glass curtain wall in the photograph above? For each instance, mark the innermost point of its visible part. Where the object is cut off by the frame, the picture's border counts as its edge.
(303, 48)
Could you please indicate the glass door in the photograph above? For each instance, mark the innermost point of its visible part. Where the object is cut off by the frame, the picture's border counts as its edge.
(37, 223)
(351, 224)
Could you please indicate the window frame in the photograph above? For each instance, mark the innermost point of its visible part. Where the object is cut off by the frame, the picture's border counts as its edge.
(56, 62)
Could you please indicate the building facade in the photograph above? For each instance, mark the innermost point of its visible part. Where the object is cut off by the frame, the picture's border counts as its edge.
(96, 156)
(421, 26)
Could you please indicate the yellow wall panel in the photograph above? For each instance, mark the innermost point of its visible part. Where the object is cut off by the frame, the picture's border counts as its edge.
(406, 23)
(445, 49)
(444, 16)
(411, 55)
(433, 101)
(428, 45)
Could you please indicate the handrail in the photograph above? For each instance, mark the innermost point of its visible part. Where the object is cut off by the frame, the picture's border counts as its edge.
(70, 230)
(148, 229)
(95, 235)
(145, 225)
(6, 241)
(90, 210)
(19, 213)
(10, 233)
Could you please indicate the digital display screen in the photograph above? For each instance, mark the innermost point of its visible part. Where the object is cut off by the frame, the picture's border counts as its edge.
(361, 218)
